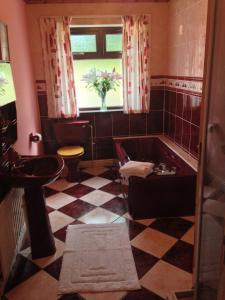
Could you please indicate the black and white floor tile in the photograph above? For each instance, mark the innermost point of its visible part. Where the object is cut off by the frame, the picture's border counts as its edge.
(162, 248)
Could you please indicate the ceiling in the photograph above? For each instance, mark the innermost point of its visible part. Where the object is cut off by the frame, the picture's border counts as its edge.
(88, 1)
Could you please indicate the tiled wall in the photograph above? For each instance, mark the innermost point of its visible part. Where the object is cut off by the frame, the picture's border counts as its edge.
(177, 41)
(183, 86)
(107, 124)
(174, 110)
(183, 97)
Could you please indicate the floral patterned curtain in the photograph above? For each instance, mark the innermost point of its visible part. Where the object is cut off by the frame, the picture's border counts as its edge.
(136, 64)
(58, 65)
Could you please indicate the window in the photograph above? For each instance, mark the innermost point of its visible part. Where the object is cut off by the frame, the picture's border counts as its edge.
(97, 48)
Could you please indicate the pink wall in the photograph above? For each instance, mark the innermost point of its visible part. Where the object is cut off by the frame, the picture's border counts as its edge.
(13, 14)
(158, 12)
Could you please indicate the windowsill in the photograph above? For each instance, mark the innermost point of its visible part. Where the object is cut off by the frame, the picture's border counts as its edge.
(100, 111)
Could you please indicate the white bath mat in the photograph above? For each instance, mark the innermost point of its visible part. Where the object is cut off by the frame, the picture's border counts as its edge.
(97, 258)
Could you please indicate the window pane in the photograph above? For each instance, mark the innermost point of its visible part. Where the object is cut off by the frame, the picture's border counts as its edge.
(89, 98)
(83, 43)
(113, 42)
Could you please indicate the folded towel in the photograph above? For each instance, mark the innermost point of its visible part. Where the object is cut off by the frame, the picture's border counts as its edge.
(136, 168)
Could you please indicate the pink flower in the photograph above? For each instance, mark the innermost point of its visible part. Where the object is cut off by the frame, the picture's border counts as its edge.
(102, 81)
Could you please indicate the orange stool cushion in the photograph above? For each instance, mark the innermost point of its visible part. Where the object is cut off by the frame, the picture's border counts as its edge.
(70, 151)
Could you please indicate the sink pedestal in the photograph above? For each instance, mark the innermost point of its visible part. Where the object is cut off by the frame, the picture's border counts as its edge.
(32, 174)
(41, 237)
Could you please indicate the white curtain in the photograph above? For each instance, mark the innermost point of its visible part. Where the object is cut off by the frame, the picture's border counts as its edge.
(58, 65)
(136, 64)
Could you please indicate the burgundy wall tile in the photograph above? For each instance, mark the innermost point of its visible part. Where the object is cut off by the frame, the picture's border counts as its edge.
(109, 124)
(167, 102)
(178, 130)
(186, 135)
(166, 123)
(172, 102)
(50, 147)
(195, 110)
(172, 126)
(157, 100)
(104, 148)
(91, 118)
(179, 106)
(187, 107)
(43, 108)
(138, 124)
(155, 122)
(103, 124)
(47, 129)
(194, 140)
(87, 116)
(88, 151)
(120, 124)
(184, 113)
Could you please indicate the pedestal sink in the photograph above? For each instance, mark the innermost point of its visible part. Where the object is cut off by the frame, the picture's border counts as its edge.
(32, 174)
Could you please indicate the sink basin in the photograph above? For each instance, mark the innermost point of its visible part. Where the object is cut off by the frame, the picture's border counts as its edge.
(31, 174)
(37, 171)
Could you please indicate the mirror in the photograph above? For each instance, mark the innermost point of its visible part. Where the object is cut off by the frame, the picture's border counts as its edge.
(4, 45)
(8, 120)
(8, 124)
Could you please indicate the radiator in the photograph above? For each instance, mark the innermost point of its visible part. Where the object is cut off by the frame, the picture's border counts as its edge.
(12, 228)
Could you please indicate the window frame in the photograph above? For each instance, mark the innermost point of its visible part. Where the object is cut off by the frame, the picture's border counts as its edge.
(100, 33)
(101, 53)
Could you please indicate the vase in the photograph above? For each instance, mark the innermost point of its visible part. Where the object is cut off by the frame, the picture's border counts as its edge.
(103, 103)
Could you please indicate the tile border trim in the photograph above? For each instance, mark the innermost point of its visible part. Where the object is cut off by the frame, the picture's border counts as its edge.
(180, 84)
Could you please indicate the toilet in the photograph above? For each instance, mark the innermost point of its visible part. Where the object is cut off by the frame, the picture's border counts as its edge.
(72, 136)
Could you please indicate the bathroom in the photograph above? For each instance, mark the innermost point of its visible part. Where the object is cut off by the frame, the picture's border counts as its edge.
(177, 42)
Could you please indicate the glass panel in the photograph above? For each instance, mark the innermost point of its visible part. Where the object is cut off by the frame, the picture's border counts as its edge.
(113, 42)
(84, 43)
(211, 264)
(89, 98)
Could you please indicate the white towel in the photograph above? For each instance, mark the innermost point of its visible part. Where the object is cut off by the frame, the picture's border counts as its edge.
(136, 168)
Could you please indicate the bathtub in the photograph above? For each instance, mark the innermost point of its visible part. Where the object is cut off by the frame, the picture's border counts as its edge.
(159, 196)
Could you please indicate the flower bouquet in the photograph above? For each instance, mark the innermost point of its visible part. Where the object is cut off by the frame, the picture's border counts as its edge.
(102, 82)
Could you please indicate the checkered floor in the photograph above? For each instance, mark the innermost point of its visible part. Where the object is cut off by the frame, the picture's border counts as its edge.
(162, 248)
